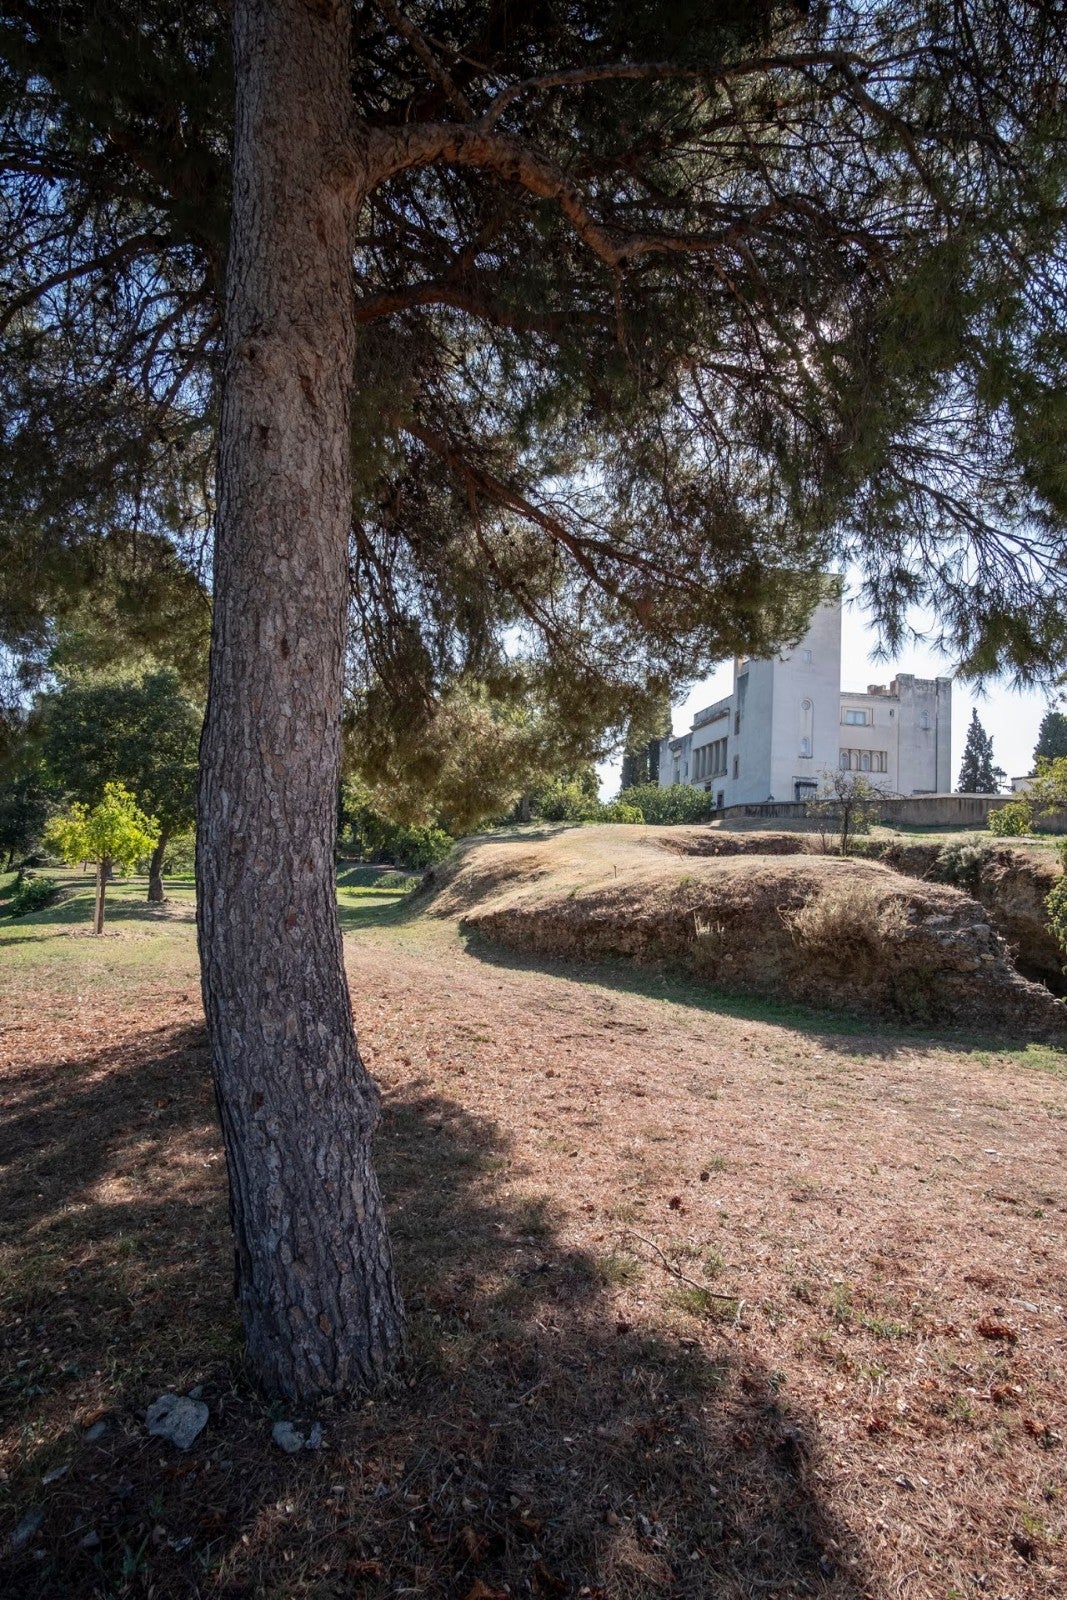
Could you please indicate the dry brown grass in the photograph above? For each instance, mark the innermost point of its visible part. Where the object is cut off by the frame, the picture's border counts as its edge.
(851, 930)
(818, 929)
(876, 1408)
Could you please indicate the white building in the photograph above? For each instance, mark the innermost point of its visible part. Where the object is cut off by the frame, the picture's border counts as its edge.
(788, 721)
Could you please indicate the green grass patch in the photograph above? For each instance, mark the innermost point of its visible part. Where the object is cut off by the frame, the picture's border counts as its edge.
(1032, 1057)
(704, 1304)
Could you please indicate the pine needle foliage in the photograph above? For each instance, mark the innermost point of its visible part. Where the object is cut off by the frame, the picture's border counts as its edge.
(664, 309)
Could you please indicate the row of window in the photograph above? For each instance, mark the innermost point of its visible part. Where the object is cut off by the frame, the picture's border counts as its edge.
(855, 718)
(710, 760)
(864, 761)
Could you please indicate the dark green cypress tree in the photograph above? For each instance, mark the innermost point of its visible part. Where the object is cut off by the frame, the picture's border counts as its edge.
(978, 775)
(1051, 736)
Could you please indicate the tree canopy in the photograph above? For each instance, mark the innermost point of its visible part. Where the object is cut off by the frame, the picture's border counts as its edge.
(662, 309)
(139, 731)
(1051, 737)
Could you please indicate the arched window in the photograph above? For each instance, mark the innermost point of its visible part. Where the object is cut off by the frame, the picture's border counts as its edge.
(844, 762)
(807, 727)
(924, 721)
(865, 761)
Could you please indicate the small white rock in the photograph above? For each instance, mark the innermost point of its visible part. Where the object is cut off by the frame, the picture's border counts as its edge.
(25, 1530)
(177, 1418)
(287, 1438)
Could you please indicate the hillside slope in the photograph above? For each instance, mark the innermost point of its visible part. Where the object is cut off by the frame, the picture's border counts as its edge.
(747, 912)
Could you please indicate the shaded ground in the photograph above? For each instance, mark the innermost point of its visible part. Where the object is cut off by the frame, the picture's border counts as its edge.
(707, 1298)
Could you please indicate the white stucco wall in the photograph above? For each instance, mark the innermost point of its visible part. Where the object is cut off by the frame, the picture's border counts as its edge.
(910, 721)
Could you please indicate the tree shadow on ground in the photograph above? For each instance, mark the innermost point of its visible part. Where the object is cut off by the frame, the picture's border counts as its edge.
(534, 1443)
(73, 913)
(866, 1035)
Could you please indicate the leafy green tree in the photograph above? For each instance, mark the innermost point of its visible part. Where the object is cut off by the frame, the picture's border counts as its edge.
(140, 731)
(1051, 736)
(978, 775)
(24, 808)
(585, 333)
(1047, 792)
(1012, 820)
(115, 832)
(673, 803)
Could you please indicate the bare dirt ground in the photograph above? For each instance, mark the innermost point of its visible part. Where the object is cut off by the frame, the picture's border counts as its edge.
(705, 1301)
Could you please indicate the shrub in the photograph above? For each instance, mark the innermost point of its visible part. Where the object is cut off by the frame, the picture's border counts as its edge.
(1013, 819)
(32, 894)
(961, 862)
(565, 801)
(846, 928)
(673, 803)
(419, 847)
(1056, 906)
(396, 880)
(621, 811)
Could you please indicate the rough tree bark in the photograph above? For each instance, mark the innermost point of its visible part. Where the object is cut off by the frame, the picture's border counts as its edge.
(155, 868)
(318, 1298)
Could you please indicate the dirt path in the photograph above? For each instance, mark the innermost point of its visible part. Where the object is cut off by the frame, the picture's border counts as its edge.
(702, 1304)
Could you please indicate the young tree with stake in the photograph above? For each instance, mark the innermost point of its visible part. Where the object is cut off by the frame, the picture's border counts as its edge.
(115, 832)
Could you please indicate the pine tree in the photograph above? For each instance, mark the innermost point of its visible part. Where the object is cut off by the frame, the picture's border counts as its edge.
(978, 775)
(559, 348)
(1051, 736)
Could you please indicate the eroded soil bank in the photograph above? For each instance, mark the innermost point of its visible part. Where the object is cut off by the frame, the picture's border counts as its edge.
(725, 907)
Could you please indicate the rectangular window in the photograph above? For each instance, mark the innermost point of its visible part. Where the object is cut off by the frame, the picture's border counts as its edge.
(856, 719)
(737, 766)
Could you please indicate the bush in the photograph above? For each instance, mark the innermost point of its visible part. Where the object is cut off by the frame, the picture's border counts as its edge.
(1013, 819)
(846, 928)
(396, 880)
(418, 847)
(673, 803)
(32, 894)
(1056, 906)
(565, 801)
(961, 862)
(621, 811)
(368, 833)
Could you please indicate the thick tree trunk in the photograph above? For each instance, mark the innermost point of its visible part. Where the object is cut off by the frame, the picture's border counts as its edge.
(155, 868)
(321, 1310)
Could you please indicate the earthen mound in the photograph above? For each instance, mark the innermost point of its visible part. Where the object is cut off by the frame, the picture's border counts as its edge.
(851, 933)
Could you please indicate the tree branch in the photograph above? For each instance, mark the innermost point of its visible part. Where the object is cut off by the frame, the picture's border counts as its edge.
(658, 71)
(421, 47)
(443, 293)
(395, 150)
(139, 245)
